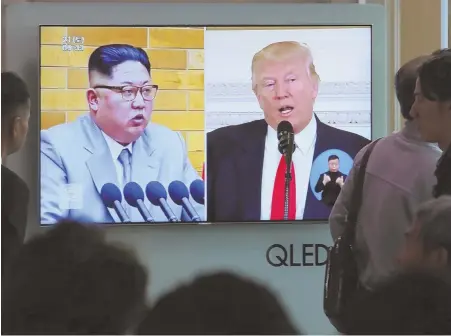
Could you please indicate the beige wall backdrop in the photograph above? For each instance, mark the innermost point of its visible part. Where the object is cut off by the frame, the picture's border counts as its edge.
(420, 28)
(413, 29)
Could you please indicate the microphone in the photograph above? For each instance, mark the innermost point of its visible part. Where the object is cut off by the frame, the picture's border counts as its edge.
(112, 198)
(134, 195)
(197, 190)
(157, 195)
(180, 195)
(285, 135)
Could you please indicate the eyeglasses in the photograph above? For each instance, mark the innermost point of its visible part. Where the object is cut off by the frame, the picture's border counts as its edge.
(129, 92)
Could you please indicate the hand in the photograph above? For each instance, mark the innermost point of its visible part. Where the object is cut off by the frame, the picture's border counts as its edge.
(326, 179)
(340, 181)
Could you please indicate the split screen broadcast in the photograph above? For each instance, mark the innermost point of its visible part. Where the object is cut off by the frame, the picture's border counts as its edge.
(180, 124)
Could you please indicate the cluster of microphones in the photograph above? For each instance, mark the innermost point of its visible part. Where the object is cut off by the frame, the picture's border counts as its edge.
(157, 195)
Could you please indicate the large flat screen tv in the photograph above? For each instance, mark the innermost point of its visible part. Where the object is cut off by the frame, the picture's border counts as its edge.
(176, 125)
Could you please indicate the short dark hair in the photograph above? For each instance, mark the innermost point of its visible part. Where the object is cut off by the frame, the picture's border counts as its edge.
(435, 77)
(106, 57)
(405, 80)
(333, 157)
(441, 51)
(410, 303)
(69, 280)
(221, 304)
(14, 94)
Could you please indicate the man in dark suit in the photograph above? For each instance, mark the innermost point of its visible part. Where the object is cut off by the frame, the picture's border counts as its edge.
(330, 183)
(245, 171)
(15, 193)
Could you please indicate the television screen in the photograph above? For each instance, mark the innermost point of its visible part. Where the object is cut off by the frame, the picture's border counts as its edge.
(159, 125)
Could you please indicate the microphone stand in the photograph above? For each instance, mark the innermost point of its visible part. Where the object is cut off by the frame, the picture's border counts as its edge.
(287, 192)
(287, 148)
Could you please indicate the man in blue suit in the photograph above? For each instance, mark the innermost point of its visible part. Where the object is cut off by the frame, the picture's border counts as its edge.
(115, 143)
(244, 167)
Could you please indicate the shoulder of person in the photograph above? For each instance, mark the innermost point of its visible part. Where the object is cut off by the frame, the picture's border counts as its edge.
(230, 140)
(359, 156)
(165, 139)
(67, 130)
(238, 132)
(10, 178)
(425, 153)
(14, 189)
(342, 135)
(157, 130)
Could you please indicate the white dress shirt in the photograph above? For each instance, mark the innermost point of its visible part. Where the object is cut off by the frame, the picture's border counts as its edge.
(302, 160)
(115, 150)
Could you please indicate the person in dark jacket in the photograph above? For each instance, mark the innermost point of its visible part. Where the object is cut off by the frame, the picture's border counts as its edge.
(413, 302)
(15, 193)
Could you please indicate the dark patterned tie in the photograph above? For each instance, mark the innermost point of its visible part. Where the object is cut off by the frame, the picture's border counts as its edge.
(125, 160)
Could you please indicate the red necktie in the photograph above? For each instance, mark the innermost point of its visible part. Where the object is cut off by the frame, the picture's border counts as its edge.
(278, 195)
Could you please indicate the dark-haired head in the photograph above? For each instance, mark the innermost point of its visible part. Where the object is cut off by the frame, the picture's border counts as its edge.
(105, 58)
(15, 112)
(71, 281)
(218, 304)
(334, 163)
(414, 303)
(435, 77)
(432, 108)
(441, 51)
(332, 157)
(121, 91)
(405, 80)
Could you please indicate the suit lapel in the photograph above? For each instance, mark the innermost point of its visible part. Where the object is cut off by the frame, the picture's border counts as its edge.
(249, 168)
(322, 143)
(100, 164)
(314, 208)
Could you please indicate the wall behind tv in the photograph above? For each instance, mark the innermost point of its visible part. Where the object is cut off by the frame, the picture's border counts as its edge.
(405, 37)
(174, 254)
(178, 253)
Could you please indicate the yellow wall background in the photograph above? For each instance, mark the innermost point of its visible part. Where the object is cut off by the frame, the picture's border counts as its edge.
(177, 60)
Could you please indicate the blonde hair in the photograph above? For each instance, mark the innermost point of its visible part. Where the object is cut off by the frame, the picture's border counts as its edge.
(280, 51)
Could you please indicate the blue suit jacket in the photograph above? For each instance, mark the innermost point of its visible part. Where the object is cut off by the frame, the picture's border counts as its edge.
(77, 154)
(235, 167)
